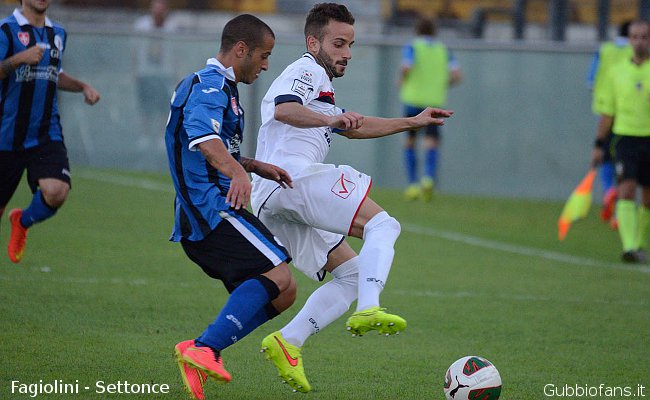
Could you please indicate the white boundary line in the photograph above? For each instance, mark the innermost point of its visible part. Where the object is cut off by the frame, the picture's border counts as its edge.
(524, 298)
(123, 180)
(519, 250)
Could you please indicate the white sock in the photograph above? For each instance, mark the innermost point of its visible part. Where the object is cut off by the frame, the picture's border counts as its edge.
(376, 258)
(325, 305)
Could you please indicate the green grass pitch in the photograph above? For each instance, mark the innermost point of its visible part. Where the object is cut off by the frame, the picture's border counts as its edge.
(101, 295)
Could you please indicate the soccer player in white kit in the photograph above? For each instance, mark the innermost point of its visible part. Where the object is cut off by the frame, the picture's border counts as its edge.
(328, 202)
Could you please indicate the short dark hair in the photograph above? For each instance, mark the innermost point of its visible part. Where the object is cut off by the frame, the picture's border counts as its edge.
(624, 29)
(425, 27)
(321, 14)
(244, 28)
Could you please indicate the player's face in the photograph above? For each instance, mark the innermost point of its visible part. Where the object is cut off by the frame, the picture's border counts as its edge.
(256, 61)
(336, 47)
(639, 37)
(38, 6)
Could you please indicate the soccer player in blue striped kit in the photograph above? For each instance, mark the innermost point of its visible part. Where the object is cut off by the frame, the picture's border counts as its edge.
(31, 47)
(212, 224)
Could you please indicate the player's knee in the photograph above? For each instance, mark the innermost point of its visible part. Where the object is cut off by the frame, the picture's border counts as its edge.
(285, 298)
(281, 277)
(386, 227)
(290, 292)
(55, 196)
(394, 226)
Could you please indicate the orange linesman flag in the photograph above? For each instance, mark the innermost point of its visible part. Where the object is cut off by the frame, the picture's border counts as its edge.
(577, 206)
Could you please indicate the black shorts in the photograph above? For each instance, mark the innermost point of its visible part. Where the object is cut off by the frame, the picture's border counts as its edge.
(432, 131)
(632, 156)
(238, 249)
(49, 160)
(608, 154)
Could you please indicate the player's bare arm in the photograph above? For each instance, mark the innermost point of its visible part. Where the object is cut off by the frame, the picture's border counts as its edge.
(217, 155)
(31, 56)
(70, 84)
(374, 127)
(602, 132)
(299, 116)
(267, 171)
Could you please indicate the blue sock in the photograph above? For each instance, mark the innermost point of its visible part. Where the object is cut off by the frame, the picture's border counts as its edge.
(266, 313)
(432, 163)
(607, 176)
(244, 311)
(37, 211)
(411, 165)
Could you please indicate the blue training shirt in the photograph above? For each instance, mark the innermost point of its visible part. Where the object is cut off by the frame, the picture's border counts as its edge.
(204, 106)
(29, 115)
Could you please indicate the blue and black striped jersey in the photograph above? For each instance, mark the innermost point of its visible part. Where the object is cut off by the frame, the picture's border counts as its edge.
(204, 106)
(29, 114)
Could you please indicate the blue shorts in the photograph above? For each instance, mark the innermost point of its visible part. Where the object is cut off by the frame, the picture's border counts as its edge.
(432, 131)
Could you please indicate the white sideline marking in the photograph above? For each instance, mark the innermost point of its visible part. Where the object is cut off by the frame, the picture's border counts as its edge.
(123, 180)
(519, 250)
(411, 228)
(525, 298)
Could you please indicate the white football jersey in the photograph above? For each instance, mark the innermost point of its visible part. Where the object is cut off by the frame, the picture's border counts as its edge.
(293, 149)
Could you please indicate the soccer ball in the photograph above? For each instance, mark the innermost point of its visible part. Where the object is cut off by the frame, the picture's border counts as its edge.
(472, 378)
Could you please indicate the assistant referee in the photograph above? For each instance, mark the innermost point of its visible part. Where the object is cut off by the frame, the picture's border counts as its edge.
(626, 111)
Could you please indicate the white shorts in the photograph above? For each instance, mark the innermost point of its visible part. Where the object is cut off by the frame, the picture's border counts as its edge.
(313, 218)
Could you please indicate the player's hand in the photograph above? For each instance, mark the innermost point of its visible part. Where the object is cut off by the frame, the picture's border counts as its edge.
(32, 55)
(91, 96)
(347, 121)
(240, 190)
(597, 156)
(274, 173)
(432, 116)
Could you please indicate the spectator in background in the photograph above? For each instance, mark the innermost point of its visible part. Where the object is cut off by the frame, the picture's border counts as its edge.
(154, 70)
(428, 69)
(625, 111)
(608, 54)
(31, 138)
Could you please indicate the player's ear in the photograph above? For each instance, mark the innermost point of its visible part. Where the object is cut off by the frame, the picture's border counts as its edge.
(241, 49)
(313, 44)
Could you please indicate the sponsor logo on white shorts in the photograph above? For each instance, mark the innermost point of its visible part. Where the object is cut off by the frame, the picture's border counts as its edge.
(343, 188)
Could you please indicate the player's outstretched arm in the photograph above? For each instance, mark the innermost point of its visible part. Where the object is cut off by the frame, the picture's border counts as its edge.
(374, 127)
(299, 116)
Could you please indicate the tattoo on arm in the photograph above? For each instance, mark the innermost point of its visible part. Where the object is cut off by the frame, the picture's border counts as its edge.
(7, 66)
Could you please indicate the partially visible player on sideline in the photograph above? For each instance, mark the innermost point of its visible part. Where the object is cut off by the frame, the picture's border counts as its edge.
(626, 112)
(212, 224)
(609, 54)
(299, 117)
(31, 47)
(428, 69)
